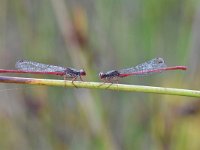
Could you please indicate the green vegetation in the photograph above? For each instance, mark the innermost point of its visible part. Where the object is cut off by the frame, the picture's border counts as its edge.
(99, 36)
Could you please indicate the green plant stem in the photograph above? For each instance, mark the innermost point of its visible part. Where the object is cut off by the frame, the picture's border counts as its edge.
(100, 85)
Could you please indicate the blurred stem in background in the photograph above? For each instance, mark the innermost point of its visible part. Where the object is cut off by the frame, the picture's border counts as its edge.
(75, 37)
(194, 47)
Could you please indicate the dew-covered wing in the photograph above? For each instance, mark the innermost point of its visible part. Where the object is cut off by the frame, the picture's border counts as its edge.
(25, 65)
(149, 67)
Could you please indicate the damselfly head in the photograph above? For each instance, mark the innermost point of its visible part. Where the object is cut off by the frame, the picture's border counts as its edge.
(101, 75)
(82, 72)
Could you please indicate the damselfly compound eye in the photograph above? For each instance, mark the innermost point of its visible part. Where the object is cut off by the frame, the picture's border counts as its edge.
(101, 74)
(82, 72)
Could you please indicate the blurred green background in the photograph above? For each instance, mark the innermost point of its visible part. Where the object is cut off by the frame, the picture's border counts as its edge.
(99, 36)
